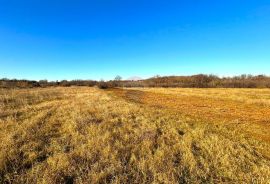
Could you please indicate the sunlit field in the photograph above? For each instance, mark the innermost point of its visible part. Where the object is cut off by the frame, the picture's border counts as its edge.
(138, 135)
(249, 109)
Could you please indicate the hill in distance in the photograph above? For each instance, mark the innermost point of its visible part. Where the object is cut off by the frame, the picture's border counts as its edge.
(134, 78)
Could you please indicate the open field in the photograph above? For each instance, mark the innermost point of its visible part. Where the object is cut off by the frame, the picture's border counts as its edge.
(249, 109)
(88, 135)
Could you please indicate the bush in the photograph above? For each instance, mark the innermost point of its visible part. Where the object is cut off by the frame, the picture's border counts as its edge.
(103, 85)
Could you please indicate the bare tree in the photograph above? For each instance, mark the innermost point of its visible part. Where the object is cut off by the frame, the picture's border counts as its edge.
(118, 78)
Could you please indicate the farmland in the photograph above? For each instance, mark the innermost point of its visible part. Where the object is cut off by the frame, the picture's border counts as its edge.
(136, 135)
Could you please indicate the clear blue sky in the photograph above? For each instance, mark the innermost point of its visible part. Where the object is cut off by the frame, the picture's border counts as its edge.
(94, 39)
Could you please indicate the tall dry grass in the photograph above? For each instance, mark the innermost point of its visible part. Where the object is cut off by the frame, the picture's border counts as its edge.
(86, 135)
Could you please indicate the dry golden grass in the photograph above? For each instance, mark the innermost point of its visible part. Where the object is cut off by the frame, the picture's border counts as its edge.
(87, 135)
(249, 109)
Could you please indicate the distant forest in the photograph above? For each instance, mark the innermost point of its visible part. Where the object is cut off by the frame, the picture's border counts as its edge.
(195, 81)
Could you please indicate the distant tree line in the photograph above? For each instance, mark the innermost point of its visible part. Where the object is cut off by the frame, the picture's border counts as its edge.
(198, 81)
(195, 81)
(14, 83)
(202, 81)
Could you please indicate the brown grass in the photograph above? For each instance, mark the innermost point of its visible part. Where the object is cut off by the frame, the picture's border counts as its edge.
(247, 108)
(87, 135)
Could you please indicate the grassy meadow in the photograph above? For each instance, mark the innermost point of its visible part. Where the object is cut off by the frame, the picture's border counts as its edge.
(137, 135)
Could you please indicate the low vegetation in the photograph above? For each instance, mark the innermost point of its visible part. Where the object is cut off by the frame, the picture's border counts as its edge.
(202, 81)
(195, 81)
(88, 135)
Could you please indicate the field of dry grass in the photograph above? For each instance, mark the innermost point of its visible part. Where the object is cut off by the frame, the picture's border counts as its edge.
(249, 109)
(88, 135)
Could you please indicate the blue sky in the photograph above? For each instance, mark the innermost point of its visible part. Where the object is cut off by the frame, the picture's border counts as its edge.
(94, 39)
